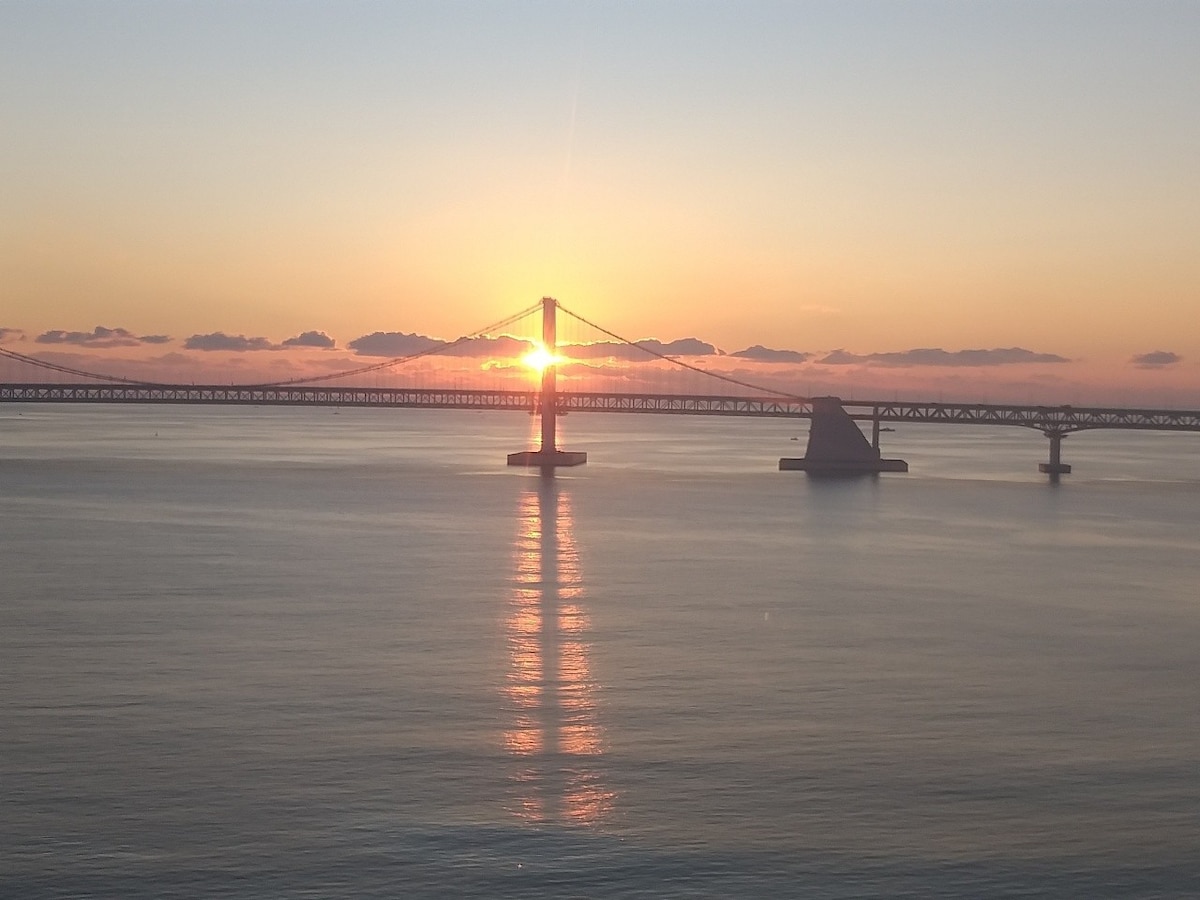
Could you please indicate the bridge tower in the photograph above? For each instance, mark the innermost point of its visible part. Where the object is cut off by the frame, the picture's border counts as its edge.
(548, 455)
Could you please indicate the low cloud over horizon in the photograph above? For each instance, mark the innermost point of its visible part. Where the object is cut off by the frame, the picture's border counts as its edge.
(935, 356)
(318, 339)
(219, 340)
(637, 352)
(100, 337)
(759, 353)
(390, 344)
(1156, 359)
(399, 344)
(239, 343)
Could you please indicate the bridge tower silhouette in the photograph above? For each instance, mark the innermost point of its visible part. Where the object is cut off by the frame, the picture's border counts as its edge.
(548, 456)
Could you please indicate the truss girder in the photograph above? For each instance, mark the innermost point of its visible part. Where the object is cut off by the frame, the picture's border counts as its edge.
(414, 398)
(677, 404)
(1060, 419)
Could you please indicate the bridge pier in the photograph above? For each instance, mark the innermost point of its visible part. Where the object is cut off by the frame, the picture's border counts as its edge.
(836, 445)
(548, 455)
(1056, 466)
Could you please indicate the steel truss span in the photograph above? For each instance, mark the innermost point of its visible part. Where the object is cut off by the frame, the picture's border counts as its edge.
(233, 395)
(1049, 419)
(1060, 419)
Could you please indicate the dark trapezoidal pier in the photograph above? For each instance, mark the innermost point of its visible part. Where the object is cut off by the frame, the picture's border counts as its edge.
(836, 445)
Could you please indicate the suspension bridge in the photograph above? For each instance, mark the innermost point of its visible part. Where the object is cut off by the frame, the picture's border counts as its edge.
(837, 444)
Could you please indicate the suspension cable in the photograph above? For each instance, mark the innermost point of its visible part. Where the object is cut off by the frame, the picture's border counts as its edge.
(400, 360)
(396, 361)
(678, 362)
(67, 370)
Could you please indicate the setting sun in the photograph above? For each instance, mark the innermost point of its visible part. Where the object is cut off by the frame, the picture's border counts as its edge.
(540, 357)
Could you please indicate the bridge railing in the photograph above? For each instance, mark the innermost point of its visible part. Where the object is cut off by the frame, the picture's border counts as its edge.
(1063, 419)
(1060, 419)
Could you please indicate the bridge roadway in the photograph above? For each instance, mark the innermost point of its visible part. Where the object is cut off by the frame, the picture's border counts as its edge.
(1048, 419)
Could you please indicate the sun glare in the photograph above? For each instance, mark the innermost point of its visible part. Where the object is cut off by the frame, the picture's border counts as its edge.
(539, 357)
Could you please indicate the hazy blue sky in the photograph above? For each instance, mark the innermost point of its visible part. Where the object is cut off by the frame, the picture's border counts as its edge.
(807, 175)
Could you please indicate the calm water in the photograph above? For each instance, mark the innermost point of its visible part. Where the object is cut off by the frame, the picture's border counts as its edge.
(293, 653)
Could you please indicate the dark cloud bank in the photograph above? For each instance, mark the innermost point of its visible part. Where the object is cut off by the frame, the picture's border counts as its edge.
(318, 339)
(935, 356)
(239, 343)
(1156, 359)
(388, 344)
(100, 337)
(689, 346)
(219, 340)
(399, 343)
(759, 353)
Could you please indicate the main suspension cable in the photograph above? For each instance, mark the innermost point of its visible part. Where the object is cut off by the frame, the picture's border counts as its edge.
(396, 361)
(400, 360)
(67, 370)
(678, 362)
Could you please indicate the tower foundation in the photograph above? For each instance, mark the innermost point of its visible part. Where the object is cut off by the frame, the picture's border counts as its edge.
(547, 458)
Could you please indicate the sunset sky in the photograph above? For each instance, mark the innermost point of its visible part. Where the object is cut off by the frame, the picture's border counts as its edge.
(850, 181)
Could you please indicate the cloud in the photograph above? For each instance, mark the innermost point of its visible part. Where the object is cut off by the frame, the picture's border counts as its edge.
(937, 357)
(10, 334)
(311, 339)
(503, 347)
(1156, 360)
(100, 337)
(219, 340)
(399, 343)
(683, 347)
(602, 350)
(392, 343)
(631, 353)
(760, 353)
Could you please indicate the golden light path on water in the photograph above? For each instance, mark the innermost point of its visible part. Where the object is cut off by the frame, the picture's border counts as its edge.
(554, 736)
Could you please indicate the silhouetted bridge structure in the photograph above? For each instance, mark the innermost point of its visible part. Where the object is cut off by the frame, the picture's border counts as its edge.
(836, 443)
(1041, 418)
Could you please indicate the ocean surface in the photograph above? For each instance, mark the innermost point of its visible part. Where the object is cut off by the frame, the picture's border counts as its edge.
(308, 653)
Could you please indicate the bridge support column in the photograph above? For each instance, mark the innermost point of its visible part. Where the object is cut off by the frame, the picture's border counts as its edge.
(836, 445)
(548, 455)
(1056, 466)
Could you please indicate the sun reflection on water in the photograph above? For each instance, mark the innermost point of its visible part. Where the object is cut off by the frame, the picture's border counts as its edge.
(550, 691)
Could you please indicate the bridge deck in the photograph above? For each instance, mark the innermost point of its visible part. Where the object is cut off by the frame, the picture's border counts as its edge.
(1062, 419)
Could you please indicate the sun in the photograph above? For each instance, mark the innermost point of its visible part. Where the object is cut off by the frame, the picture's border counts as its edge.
(539, 357)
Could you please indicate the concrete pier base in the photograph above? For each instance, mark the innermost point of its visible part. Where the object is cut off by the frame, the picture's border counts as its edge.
(1054, 468)
(547, 458)
(836, 446)
(841, 467)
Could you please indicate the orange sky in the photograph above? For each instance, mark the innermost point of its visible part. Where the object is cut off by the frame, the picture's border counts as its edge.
(809, 177)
